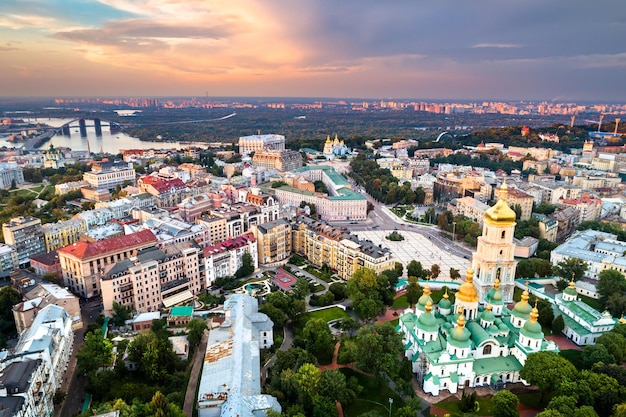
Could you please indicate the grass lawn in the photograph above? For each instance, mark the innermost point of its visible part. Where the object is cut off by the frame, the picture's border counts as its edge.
(318, 288)
(591, 302)
(328, 314)
(374, 397)
(394, 322)
(400, 302)
(486, 406)
(574, 356)
(319, 274)
(23, 192)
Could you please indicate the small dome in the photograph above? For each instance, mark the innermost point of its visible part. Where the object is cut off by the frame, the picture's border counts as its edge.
(427, 320)
(523, 308)
(493, 329)
(494, 296)
(425, 298)
(488, 315)
(445, 303)
(467, 291)
(571, 289)
(459, 334)
(532, 328)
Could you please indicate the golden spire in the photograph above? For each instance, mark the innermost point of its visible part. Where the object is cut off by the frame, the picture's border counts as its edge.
(503, 189)
(525, 296)
(427, 290)
(460, 321)
(534, 314)
(496, 284)
(429, 306)
(445, 295)
(488, 307)
(469, 275)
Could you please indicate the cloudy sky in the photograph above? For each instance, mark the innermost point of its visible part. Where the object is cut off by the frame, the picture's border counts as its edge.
(438, 49)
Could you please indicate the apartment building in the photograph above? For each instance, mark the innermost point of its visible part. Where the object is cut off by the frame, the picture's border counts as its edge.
(568, 219)
(321, 244)
(63, 233)
(153, 278)
(218, 229)
(8, 260)
(469, 207)
(548, 227)
(168, 192)
(225, 258)
(191, 208)
(83, 262)
(10, 172)
(25, 234)
(589, 207)
(273, 242)
(23, 389)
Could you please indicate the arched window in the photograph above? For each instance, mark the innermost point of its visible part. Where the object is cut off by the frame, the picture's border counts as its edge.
(487, 350)
(503, 234)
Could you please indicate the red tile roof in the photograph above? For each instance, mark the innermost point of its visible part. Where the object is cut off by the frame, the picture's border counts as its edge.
(165, 186)
(229, 244)
(82, 250)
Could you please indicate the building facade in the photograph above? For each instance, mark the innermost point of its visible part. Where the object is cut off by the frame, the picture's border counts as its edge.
(273, 242)
(82, 263)
(10, 173)
(63, 233)
(225, 258)
(286, 160)
(25, 234)
(322, 244)
(108, 175)
(8, 260)
(153, 278)
(253, 143)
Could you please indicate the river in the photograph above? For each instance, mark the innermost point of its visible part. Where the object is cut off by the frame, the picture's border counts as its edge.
(108, 142)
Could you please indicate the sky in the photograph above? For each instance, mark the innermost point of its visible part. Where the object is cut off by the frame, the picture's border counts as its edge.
(560, 50)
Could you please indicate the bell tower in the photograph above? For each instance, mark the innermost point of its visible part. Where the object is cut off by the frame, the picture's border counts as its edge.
(494, 256)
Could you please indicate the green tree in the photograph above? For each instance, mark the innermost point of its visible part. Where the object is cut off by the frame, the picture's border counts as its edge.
(333, 385)
(610, 282)
(558, 325)
(454, 274)
(320, 340)
(615, 344)
(413, 291)
(96, 352)
(247, 266)
(308, 378)
(302, 288)
(571, 267)
(539, 370)
(563, 404)
(435, 270)
(415, 269)
(195, 330)
(120, 314)
(593, 354)
(9, 296)
(378, 349)
(505, 404)
(616, 304)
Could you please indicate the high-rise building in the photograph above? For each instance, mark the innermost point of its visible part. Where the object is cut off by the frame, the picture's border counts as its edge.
(25, 234)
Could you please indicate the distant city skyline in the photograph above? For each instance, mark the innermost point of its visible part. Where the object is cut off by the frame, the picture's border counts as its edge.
(564, 50)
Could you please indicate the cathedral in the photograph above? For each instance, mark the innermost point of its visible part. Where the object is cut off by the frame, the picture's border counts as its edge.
(333, 148)
(476, 341)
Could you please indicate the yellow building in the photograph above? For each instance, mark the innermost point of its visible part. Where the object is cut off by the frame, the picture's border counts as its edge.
(273, 241)
(321, 244)
(63, 233)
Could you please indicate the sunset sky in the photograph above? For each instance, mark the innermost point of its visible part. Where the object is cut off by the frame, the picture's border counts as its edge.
(438, 49)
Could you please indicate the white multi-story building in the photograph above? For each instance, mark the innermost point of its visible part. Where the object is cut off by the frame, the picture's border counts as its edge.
(25, 234)
(8, 260)
(253, 143)
(225, 258)
(23, 389)
(341, 202)
(600, 250)
(10, 172)
(107, 175)
(469, 207)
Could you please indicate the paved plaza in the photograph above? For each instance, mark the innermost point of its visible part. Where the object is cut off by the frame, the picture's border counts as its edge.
(418, 247)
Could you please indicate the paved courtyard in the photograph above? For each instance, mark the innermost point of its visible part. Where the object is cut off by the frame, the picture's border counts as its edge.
(415, 246)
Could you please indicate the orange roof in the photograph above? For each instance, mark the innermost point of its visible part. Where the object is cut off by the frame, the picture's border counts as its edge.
(82, 250)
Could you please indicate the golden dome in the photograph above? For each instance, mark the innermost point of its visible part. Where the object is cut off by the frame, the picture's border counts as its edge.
(467, 291)
(501, 213)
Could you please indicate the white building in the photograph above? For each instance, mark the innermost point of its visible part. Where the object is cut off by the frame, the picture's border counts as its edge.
(230, 383)
(107, 175)
(253, 143)
(600, 250)
(225, 258)
(10, 172)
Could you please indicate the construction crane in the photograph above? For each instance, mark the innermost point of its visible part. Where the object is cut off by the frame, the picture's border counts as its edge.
(571, 124)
